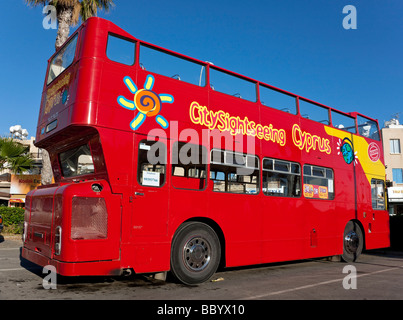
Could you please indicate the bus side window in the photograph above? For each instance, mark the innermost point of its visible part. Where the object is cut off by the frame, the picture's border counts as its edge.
(189, 166)
(234, 172)
(151, 163)
(378, 194)
(281, 178)
(318, 183)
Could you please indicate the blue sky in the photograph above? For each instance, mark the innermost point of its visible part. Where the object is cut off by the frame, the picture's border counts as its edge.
(299, 46)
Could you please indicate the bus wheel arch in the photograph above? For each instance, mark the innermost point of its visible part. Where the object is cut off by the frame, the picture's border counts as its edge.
(353, 241)
(196, 250)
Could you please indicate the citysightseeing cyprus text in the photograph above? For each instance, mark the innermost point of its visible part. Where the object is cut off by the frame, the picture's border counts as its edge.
(223, 121)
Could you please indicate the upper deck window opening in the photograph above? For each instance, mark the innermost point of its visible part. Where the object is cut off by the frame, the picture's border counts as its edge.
(314, 112)
(343, 122)
(232, 85)
(77, 161)
(368, 128)
(169, 65)
(277, 100)
(121, 50)
(62, 60)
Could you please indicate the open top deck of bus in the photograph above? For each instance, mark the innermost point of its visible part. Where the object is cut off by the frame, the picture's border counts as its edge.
(200, 75)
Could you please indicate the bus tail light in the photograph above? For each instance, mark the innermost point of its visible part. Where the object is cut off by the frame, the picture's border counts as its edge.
(24, 235)
(58, 240)
(89, 218)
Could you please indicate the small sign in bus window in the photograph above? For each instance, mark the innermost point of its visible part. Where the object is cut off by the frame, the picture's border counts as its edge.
(151, 178)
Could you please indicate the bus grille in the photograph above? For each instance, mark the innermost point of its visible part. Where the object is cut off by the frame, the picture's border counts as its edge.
(89, 218)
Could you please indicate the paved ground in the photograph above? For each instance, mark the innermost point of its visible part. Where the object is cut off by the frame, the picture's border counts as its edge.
(379, 275)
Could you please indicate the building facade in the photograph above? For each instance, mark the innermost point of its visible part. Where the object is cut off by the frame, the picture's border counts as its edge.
(392, 135)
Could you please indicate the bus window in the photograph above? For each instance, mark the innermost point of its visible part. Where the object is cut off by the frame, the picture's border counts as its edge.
(151, 163)
(281, 178)
(343, 122)
(121, 50)
(378, 194)
(76, 161)
(314, 112)
(234, 172)
(232, 85)
(277, 100)
(189, 166)
(368, 128)
(62, 60)
(171, 66)
(318, 182)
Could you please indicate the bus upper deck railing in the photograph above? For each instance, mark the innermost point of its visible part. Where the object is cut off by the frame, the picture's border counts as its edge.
(205, 74)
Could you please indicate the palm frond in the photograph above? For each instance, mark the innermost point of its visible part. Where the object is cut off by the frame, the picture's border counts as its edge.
(37, 2)
(14, 156)
(21, 164)
(89, 8)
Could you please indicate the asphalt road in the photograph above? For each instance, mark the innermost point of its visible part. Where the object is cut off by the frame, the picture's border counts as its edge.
(377, 275)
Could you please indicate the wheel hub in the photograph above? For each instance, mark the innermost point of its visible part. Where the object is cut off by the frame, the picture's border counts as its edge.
(196, 254)
(351, 242)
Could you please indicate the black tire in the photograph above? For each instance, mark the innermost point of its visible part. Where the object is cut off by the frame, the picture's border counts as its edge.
(195, 253)
(353, 242)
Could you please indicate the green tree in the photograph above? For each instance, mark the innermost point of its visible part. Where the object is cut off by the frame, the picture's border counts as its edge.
(70, 11)
(14, 156)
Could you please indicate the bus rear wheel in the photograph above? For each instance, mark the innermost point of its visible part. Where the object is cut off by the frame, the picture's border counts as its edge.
(195, 253)
(353, 242)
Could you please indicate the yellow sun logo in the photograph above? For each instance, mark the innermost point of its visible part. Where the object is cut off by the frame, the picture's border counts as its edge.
(146, 101)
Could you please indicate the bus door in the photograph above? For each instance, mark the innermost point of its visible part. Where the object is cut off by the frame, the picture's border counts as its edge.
(149, 206)
(150, 190)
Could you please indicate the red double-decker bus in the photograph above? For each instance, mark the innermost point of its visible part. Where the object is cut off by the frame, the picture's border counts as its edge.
(167, 163)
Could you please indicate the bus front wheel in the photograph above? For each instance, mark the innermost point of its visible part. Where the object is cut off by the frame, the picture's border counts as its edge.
(195, 253)
(353, 242)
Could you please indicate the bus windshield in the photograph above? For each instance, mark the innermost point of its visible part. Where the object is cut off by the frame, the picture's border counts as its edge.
(62, 60)
(77, 161)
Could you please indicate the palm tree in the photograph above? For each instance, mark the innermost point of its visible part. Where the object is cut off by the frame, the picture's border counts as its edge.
(70, 11)
(68, 14)
(14, 156)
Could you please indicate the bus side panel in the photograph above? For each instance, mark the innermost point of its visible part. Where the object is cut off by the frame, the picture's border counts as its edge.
(283, 223)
